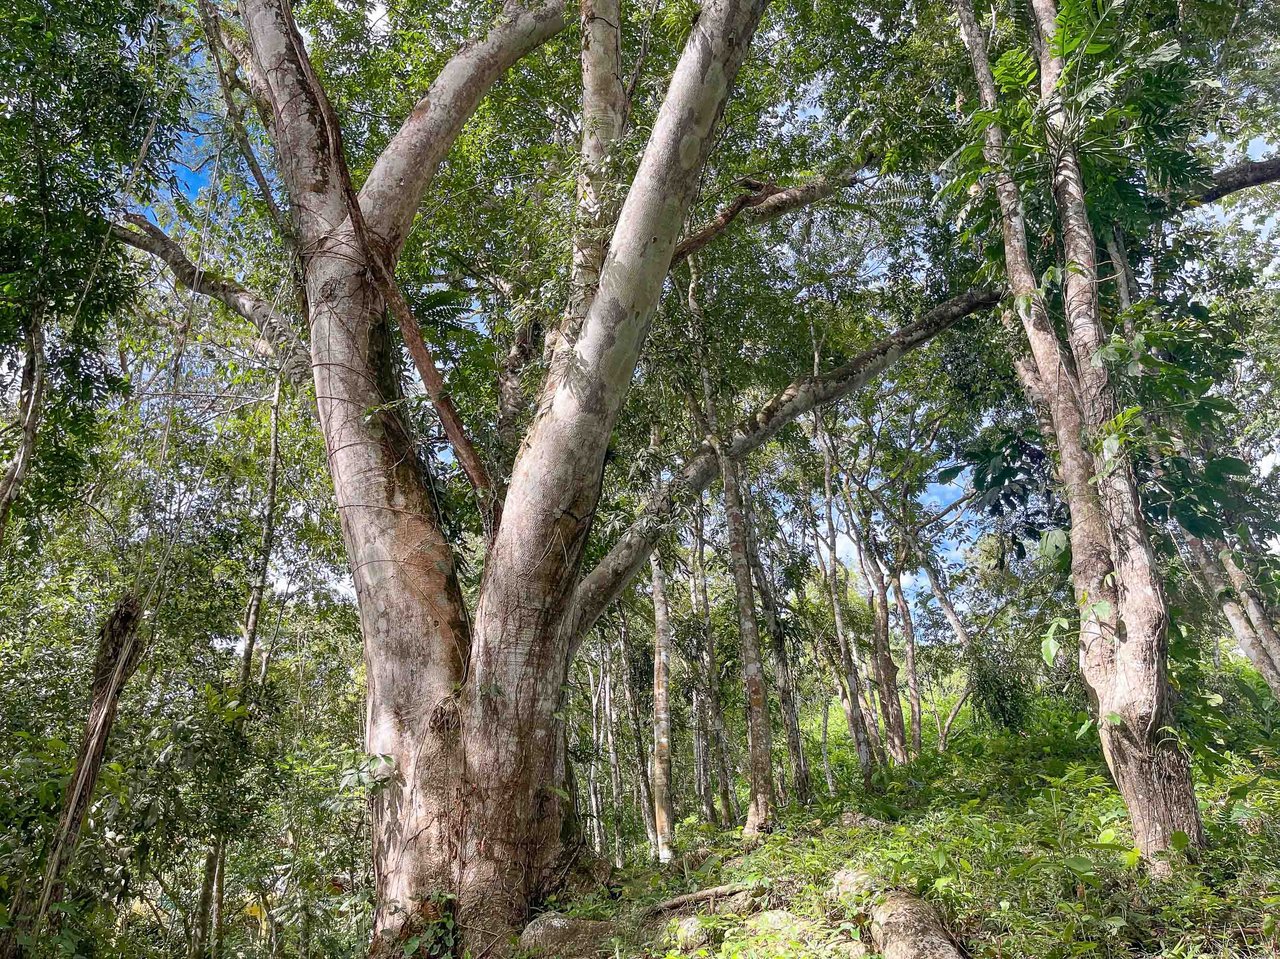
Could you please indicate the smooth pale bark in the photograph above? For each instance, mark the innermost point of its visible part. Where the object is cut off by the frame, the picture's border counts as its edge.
(1254, 605)
(760, 811)
(715, 717)
(1117, 585)
(31, 390)
(848, 681)
(521, 648)
(664, 814)
(1213, 576)
(615, 765)
(787, 699)
(599, 831)
(882, 661)
(119, 651)
(913, 680)
(702, 683)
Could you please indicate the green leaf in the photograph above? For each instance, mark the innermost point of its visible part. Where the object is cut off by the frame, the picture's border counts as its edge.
(1179, 841)
(1079, 865)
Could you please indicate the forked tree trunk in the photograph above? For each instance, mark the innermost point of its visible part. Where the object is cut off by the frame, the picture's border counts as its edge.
(118, 654)
(663, 809)
(1224, 594)
(1123, 618)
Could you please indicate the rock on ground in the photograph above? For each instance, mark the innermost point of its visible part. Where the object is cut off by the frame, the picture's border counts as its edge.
(558, 936)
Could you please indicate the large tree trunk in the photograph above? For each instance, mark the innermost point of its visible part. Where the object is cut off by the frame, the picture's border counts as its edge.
(664, 813)
(119, 650)
(1129, 678)
(1117, 584)
(411, 610)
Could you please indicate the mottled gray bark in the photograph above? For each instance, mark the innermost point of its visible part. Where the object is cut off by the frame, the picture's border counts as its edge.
(663, 807)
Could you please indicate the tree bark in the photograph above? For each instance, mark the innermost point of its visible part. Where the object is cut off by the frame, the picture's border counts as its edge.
(663, 808)
(802, 785)
(1117, 584)
(118, 654)
(760, 812)
(715, 717)
(913, 680)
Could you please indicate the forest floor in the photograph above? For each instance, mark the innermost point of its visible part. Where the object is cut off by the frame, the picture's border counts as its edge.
(1017, 840)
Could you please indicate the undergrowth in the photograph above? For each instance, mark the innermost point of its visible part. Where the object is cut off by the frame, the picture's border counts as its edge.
(1021, 842)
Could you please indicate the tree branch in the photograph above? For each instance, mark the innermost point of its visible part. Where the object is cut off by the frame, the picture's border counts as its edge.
(1239, 177)
(768, 202)
(400, 177)
(276, 329)
(603, 585)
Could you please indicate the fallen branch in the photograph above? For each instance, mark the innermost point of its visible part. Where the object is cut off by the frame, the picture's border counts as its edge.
(689, 898)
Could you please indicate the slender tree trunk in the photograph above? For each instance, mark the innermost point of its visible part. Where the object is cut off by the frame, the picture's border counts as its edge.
(913, 679)
(1256, 610)
(782, 674)
(615, 767)
(826, 756)
(217, 920)
(663, 809)
(638, 740)
(31, 392)
(599, 841)
(118, 654)
(760, 814)
(859, 721)
(881, 655)
(197, 948)
(715, 716)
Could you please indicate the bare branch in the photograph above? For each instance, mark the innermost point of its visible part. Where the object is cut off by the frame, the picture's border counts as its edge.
(275, 328)
(768, 202)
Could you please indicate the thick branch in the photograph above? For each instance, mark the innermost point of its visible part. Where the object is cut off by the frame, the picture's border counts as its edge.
(275, 328)
(767, 203)
(615, 570)
(1233, 179)
(401, 175)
